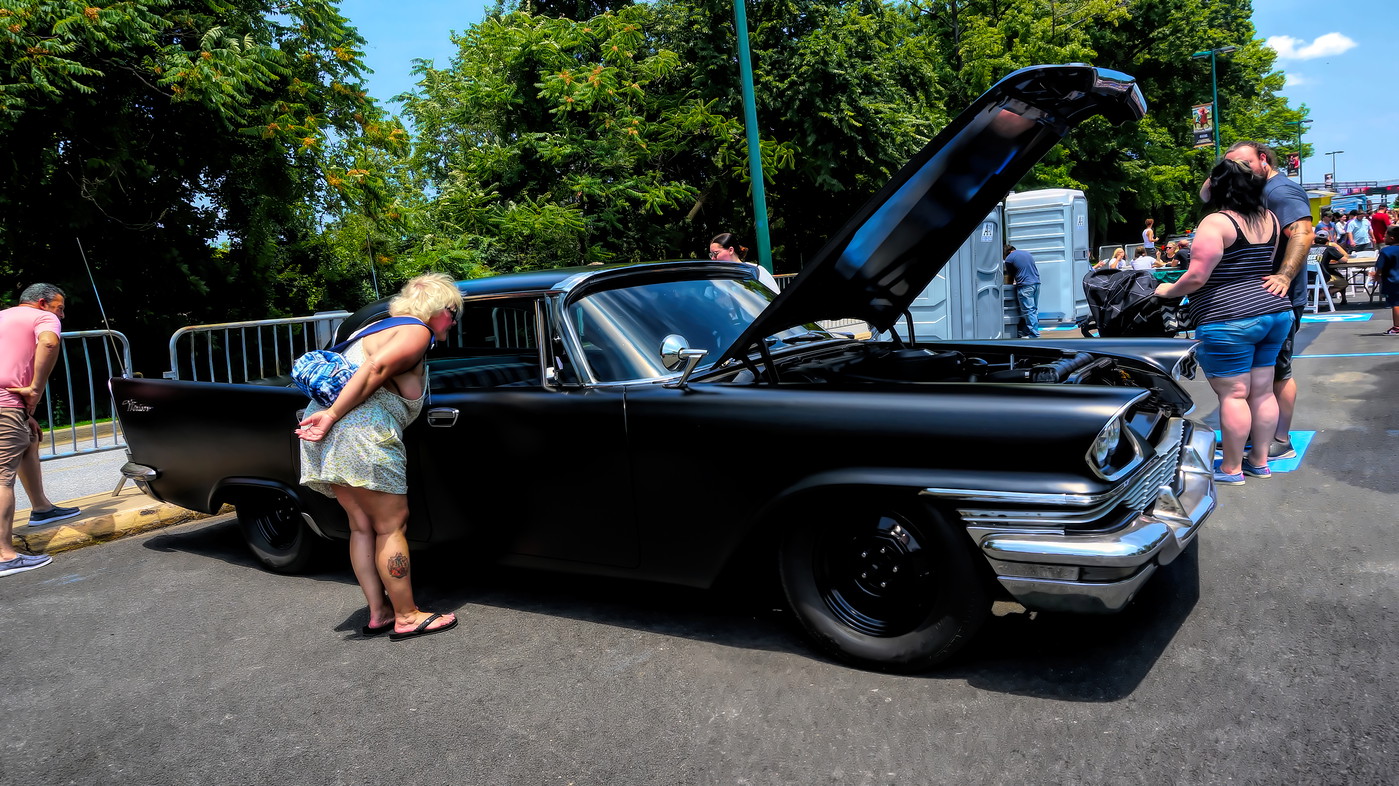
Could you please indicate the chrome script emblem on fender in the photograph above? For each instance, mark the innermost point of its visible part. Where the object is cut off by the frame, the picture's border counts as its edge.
(131, 405)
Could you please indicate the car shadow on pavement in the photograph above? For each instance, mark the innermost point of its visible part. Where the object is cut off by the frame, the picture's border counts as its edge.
(1082, 657)
(1096, 658)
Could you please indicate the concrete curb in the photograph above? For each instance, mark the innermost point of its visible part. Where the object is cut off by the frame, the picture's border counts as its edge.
(104, 517)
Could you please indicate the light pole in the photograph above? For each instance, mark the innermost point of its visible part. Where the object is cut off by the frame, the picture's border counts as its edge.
(750, 124)
(1301, 124)
(1214, 87)
(1333, 155)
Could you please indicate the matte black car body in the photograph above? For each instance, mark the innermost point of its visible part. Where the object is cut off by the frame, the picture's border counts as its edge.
(660, 421)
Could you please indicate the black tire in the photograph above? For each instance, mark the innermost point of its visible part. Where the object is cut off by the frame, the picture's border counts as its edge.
(277, 535)
(903, 609)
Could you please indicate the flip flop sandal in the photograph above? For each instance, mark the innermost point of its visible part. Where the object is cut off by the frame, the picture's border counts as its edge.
(423, 629)
(379, 631)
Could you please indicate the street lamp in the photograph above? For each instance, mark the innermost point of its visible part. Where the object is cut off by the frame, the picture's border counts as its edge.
(1301, 125)
(1214, 87)
(1333, 155)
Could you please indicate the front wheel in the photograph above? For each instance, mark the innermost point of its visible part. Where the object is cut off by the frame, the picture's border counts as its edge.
(892, 587)
(276, 533)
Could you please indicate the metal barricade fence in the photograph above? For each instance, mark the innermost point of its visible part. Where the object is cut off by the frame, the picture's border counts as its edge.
(231, 351)
(77, 412)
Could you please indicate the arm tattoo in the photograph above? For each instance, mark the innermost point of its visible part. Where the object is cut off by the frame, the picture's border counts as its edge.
(1296, 254)
(398, 565)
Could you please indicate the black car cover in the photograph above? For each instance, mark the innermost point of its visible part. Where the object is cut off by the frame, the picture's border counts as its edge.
(1123, 303)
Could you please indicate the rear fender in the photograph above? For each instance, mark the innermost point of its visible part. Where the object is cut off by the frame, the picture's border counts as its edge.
(323, 516)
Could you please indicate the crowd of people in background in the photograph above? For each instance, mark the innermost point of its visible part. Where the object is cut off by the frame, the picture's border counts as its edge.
(1359, 230)
(1174, 254)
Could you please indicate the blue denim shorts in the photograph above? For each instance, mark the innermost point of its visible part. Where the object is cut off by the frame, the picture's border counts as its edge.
(1232, 348)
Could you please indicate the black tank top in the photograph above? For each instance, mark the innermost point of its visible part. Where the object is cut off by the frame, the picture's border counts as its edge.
(1235, 286)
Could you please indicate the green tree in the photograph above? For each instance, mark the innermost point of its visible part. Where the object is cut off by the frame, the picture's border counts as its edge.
(551, 141)
(846, 87)
(192, 145)
(1151, 169)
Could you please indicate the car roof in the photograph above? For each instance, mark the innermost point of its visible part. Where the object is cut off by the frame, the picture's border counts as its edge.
(560, 279)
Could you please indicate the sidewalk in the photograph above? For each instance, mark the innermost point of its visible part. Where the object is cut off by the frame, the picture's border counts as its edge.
(103, 517)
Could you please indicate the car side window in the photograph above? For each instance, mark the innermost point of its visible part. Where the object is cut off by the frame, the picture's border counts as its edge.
(494, 345)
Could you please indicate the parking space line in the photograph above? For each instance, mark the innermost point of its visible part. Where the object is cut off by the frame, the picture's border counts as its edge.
(1309, 319)
(1351, 355)
(1301, 440)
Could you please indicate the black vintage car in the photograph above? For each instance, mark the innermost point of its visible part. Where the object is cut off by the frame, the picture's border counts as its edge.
(661, 421)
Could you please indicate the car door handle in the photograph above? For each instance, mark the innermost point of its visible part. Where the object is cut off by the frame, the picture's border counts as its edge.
(442, 417)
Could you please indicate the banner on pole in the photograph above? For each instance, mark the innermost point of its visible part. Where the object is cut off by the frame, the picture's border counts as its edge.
(1202, 122)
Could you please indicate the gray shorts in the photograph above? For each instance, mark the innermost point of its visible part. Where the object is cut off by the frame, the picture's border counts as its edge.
(14, 440)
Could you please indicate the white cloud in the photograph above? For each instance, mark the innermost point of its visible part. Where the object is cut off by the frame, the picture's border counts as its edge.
(1289, 48)
(1296, 80)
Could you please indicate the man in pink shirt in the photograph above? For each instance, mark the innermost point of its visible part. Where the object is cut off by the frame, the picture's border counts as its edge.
(29, 342)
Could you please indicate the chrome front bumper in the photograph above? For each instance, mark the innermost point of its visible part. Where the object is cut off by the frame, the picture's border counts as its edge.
(1064, 570)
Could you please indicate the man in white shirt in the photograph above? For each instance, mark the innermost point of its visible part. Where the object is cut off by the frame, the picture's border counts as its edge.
(1358, 227)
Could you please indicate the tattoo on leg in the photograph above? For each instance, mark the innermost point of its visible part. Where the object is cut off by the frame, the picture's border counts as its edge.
(398, 565)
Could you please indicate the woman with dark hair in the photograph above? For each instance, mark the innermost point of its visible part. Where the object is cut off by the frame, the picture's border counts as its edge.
(726, 248)
(1239, 324)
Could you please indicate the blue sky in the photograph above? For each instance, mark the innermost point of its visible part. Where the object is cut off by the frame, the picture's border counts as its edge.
(1339, 72)
(1345, 76)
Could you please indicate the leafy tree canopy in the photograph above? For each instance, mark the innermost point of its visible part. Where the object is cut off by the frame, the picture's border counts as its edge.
(192, 145)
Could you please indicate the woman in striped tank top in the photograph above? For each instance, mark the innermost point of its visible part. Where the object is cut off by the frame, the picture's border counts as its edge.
(1239, 324)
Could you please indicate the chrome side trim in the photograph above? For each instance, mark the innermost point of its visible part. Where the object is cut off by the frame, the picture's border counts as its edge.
(1021, 497)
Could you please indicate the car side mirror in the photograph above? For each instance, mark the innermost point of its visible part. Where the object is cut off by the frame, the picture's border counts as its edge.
(672, 347)
(692, 357)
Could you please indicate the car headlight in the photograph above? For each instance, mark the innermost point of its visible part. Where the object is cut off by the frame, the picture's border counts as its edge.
(1106, 440)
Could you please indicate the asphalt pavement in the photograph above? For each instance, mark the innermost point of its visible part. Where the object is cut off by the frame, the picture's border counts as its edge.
(1265, 655)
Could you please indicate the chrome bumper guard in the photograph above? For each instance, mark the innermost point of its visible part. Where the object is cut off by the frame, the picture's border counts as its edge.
(1101, 572)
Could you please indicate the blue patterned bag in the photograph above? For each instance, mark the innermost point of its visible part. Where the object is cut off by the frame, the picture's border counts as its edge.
(323, 373)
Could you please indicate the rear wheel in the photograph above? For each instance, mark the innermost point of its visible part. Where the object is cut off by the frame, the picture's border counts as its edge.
(276, 533)
(886, 586)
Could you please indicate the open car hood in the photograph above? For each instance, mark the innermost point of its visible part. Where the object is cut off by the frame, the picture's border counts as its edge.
(882, 258)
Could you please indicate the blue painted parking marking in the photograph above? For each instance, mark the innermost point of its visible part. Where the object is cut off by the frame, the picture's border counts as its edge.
(1350, 355)
(1300, 442)
(1043, 328)
(1336, 318)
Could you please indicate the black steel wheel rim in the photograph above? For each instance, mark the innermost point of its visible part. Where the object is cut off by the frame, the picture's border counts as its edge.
(278, 528)
(877, 578)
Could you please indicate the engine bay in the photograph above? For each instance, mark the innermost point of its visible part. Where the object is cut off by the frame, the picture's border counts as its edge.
(875, 362)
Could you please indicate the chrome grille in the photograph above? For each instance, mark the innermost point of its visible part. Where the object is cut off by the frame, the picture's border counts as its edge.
(1161, 472)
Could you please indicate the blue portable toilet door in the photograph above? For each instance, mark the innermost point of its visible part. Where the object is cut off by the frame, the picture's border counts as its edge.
(1078, 252)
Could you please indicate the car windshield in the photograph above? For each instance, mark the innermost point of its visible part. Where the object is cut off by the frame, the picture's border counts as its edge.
(622, 329)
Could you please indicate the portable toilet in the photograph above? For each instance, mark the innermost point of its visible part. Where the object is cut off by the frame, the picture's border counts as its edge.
(964, 301)
(1052, 224)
